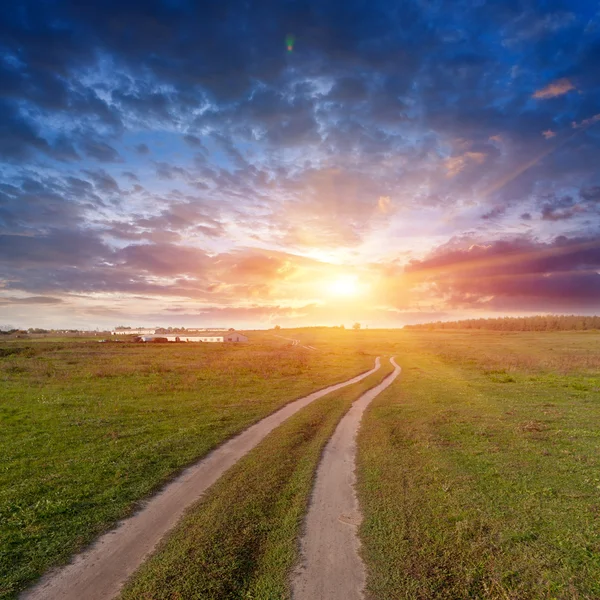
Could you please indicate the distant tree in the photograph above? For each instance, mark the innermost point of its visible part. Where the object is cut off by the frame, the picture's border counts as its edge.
(231, 329)
(342, 327)
(534, 323)
(277, 327)
(356, 326)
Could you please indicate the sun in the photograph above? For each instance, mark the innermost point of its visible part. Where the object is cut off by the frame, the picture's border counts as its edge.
(345, 285)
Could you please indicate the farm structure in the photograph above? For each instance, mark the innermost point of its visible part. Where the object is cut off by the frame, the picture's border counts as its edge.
(136, 331)
(228, 336)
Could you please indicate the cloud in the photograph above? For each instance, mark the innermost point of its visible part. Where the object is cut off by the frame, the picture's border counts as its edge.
(103, 181)
(384, 204)
(10, 300)
(516, 274)
(494, 213)
(131, 176)
(54, 249)
(586, 122)
(554, 89)
(100, 151)
(192, 140)
(162, 259)
(455, 164)
(386, 131)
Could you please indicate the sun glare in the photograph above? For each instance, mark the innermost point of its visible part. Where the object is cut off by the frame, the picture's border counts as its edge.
(346, 285)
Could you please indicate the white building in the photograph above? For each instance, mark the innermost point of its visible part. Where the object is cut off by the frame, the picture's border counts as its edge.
(234, 336)
(138, 331)
(221, 336)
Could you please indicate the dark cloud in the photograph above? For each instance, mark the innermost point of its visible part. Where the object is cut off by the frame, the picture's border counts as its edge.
(33, 205)
(103, 181)
(187, 216)
(163, 259)
(58, 248)
(515, 274)
(20, 138)
(192, 140)
(494, 213)
(100, 151)
(167, 171)
(131, 176)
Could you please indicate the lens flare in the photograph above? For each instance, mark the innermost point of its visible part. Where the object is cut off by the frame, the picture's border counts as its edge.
(289, 42)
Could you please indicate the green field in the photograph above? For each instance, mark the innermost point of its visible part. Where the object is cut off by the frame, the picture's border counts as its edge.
(248, 550)
(478, 468)
(89, 429)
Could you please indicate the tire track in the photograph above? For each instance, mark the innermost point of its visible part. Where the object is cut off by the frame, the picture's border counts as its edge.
(330, 567)
(99, 572)
(294, 341)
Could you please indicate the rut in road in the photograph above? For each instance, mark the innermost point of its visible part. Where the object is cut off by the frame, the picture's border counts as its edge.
(330, 567)
(99, 572)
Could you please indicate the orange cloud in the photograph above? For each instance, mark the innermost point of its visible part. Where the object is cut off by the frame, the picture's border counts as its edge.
(384, 204)
(455, 164)
(554, 89)
(549, 133)
(586, 122)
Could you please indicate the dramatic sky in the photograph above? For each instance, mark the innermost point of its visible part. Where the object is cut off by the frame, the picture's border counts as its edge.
(240, 163)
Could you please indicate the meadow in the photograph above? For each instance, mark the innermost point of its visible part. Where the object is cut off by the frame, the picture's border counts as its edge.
(477, 469)
(90, 429)
(248, 550)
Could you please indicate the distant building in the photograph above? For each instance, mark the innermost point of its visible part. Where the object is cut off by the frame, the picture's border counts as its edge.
(221, 336)
(234, 336)
(138, 331)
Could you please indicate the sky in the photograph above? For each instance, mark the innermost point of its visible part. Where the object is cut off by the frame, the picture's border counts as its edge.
(251, 164)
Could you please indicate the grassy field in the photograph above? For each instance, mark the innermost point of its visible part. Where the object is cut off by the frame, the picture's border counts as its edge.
(247, 550)
(479, 469)
(89, 429)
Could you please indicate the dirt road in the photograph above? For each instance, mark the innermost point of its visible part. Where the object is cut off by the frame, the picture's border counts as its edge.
(99, 572)
(295, 342)
(330, 566)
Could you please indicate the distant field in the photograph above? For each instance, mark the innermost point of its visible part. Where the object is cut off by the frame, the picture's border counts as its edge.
(88, 429)
(479, 469)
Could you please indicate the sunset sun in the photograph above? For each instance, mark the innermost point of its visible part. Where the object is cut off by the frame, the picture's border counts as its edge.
(345, 285)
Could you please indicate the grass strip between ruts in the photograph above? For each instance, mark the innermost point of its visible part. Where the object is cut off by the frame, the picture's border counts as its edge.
(241, 539)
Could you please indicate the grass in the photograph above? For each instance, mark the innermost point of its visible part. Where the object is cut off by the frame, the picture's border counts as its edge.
(478, 469)
(247, 550)
(89, 429)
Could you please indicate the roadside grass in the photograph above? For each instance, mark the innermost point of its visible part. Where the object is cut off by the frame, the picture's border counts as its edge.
(479, 470)
(241, 539)
(90, 429)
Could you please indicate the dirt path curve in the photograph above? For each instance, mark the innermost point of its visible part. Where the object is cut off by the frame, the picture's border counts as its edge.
(99, 572)
(294, 342)
(330, 567)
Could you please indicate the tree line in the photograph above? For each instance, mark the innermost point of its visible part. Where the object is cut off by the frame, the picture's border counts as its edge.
(535, 323)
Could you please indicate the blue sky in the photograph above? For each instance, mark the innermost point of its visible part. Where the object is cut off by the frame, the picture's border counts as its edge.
(175, 163)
